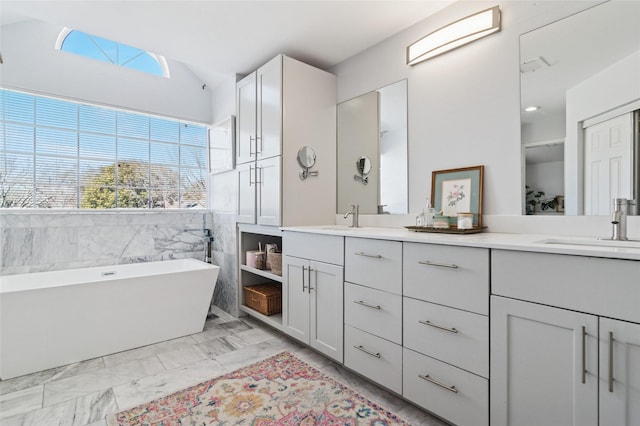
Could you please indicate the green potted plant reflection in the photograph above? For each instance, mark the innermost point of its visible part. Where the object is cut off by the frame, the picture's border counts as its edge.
(535, 198)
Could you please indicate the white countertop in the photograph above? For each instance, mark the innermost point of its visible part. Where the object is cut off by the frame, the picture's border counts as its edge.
(577, 246)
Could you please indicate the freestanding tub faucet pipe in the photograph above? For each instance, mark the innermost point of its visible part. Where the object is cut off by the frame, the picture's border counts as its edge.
(208, 235)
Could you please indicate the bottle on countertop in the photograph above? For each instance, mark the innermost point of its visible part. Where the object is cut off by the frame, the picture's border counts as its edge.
(429, 214)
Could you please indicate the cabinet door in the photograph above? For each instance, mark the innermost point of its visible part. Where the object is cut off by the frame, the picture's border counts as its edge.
(268, 184)
(269, 120)
(246, 193)
(295, 297)
(246, 119)
(619, 373)
(543, 365)
(326, 309)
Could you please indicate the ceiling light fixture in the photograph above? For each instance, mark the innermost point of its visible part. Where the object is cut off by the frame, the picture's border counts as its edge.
(454, 35)
(532, 108)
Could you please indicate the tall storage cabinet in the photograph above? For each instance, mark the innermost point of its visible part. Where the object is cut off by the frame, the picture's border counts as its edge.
(281, 107)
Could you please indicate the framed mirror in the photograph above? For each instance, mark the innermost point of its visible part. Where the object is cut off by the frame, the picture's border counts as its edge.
(374, 126)
(576, 74)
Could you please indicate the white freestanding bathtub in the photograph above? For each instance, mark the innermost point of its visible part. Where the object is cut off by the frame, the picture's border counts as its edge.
(49, 319)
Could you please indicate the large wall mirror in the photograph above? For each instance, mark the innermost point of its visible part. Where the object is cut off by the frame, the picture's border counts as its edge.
(372, 132)
(580, 90)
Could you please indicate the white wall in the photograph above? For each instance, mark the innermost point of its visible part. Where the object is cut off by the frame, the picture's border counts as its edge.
(464, 105)
(546, 177)
(553, 127)
(223, 186)
(32, 63)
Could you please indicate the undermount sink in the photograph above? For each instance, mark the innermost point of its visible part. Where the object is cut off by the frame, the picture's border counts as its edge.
(341, 228)
(632, 244)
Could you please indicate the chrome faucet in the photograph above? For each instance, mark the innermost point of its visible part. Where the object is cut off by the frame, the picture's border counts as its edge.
(208, 239)
(355, 212)
(621, 208)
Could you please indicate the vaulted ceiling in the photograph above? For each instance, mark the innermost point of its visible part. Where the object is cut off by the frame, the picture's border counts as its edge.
(219, 38)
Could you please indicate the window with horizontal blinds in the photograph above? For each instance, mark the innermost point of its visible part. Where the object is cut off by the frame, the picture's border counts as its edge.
(61, 154)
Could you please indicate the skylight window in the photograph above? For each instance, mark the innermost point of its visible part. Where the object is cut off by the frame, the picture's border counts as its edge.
(109, 51)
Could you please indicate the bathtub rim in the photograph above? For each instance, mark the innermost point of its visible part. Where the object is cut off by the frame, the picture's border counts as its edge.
(65, 277)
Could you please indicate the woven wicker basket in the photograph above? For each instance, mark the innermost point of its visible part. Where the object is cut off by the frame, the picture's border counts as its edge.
(264, 298)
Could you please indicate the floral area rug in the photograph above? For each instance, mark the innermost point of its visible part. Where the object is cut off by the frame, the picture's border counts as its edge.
(281, 390)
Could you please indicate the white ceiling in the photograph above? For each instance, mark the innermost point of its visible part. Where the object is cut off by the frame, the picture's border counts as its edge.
(220, 38)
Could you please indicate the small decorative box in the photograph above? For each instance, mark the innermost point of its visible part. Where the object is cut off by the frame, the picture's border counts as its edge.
(255, 259)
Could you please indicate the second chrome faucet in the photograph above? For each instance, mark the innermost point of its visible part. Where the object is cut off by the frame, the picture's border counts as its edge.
(354, 215)
(621, 208)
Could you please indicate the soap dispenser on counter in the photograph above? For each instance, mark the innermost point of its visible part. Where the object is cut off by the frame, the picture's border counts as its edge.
(429, 214)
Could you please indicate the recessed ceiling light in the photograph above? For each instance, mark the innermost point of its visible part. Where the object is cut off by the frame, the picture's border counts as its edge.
(531, 108)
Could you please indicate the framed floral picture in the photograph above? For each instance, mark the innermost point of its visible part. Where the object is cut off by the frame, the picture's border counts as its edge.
(456, 191)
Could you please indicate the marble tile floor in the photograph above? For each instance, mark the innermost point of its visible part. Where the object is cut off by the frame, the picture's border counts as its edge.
(82, 394)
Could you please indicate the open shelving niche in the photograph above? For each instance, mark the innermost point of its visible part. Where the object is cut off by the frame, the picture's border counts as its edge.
(248, 238)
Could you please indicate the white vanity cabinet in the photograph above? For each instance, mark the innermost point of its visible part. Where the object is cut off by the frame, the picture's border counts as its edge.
(312, 294)
(281, 107)
(544, 365)
(373, 310)
(552, 357)
(446, 331)
(619, 373)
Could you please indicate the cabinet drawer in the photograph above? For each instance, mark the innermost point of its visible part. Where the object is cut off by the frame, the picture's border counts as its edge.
(374, 263)
(447, 275)
(607, 287)
(458, 396)
(323, 248)
(448, 334)
(374, 311)
(382, 361)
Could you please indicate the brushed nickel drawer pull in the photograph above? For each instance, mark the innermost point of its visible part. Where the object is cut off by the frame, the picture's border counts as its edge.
(584, 354)
(304, 287)
(361, 348)
(435, 382)
(361, 253)
(442, 265)
(430, 324)
(611, 361)
(360, 302)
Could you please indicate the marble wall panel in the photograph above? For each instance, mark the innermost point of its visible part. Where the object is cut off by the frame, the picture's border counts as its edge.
(225, 255)
(35, 241)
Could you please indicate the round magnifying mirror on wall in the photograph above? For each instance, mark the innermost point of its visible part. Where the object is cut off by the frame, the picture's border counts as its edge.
(306, 157)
